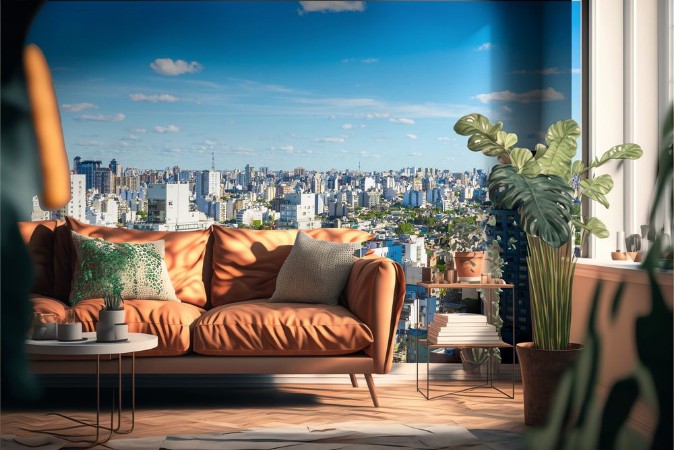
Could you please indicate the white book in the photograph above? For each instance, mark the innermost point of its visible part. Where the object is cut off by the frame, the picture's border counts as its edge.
(463, 340)
(459, 318)
(461, 328)
(492, 335)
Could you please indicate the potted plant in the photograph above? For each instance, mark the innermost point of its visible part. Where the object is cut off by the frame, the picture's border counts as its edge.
(467, 240)
(112, 312)
(544, 186)
(471, 246)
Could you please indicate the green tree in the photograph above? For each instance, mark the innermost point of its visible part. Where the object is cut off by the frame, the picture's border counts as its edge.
(406, 228)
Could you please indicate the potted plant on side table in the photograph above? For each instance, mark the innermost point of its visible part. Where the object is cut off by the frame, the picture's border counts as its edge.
(111, 315)
(467, 240)
(543, 186)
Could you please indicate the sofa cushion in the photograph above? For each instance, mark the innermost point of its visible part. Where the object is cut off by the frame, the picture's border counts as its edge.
(39, 239)
(171, 322)
(259, 328)
(136, 271)
(246, 262)
(315, 271)
(184, 256)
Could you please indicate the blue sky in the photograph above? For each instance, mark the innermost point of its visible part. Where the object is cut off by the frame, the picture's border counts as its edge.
(285, 84)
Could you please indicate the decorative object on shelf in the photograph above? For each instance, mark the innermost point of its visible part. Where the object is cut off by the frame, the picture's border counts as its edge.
(44, 326)
(544, 187)
(70, 329)
(111, 315)
(618, 256)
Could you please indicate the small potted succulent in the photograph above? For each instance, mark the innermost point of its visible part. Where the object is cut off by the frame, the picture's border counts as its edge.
(111, 314)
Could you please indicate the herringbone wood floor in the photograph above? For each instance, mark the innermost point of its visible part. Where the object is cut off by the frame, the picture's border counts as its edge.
(191, 410)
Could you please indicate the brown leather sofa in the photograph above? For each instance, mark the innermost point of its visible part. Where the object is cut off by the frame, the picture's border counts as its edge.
(224, 323)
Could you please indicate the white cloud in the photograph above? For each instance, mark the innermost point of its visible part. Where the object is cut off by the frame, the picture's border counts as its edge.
(332, 139)
(361, 60)
(507, 108)
(411, 136)
(402, 121)
(153, 98)
(331, 6)
(536, 95)
(139, 130)
(338, 102)
(166, 129)
(445, 139)
(119, 117)
(167, 66)
(371, 115)
(415, 154)
(78, 107)
(485, 46)
(347, 126)
(575, 70)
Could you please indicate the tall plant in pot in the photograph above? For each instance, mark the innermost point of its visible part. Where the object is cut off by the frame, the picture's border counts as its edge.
(543, 186)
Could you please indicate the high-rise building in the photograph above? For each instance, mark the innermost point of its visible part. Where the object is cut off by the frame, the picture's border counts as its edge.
(115, 168)
(87, 168)
(77, 206)
(104, 180)
(208, 183)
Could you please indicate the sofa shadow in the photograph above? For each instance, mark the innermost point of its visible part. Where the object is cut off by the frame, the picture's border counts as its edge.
(185, 398)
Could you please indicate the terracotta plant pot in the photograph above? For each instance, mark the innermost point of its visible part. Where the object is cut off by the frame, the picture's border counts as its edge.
(469, 266)
(541, 372)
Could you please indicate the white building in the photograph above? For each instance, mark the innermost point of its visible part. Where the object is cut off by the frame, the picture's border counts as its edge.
(299, 211)
(77, 206)
(169, 203)
(252, 216)
(38, 213)
(414, 251)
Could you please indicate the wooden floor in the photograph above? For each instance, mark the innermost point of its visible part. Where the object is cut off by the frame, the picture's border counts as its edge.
(190, 410)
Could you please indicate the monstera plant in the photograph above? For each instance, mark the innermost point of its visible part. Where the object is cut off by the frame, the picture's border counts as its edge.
(544, 186)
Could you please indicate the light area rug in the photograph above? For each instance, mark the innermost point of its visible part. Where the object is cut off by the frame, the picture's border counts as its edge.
(338, 436)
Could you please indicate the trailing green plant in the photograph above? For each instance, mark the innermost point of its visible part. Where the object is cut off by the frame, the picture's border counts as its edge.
(544, 186)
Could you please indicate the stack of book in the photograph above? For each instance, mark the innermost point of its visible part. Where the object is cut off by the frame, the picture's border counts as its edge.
(461, 328)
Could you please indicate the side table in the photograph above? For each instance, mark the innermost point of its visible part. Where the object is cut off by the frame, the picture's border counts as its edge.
(458, 344)
(89, 346)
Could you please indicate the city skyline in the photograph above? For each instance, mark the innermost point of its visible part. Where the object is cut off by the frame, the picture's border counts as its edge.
(343, 85)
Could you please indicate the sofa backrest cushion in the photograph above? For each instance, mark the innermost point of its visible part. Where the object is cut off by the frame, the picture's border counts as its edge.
(184, 255)
(246, 262)
(39, 239)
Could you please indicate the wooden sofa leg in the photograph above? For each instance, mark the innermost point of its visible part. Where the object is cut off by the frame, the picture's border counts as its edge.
(370, 386)
(354, 380)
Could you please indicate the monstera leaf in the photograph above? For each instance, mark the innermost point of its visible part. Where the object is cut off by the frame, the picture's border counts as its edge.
(597, 188)
(623, 151)
(561, 139)
(485, 137)
(544, 202)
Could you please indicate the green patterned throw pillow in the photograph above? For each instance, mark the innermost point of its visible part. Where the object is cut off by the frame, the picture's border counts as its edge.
(138, 271)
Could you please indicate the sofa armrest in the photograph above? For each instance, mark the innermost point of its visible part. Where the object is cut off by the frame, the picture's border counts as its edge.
(375, 293)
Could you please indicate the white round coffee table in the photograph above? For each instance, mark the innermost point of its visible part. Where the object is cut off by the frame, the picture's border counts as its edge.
(89, 346)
